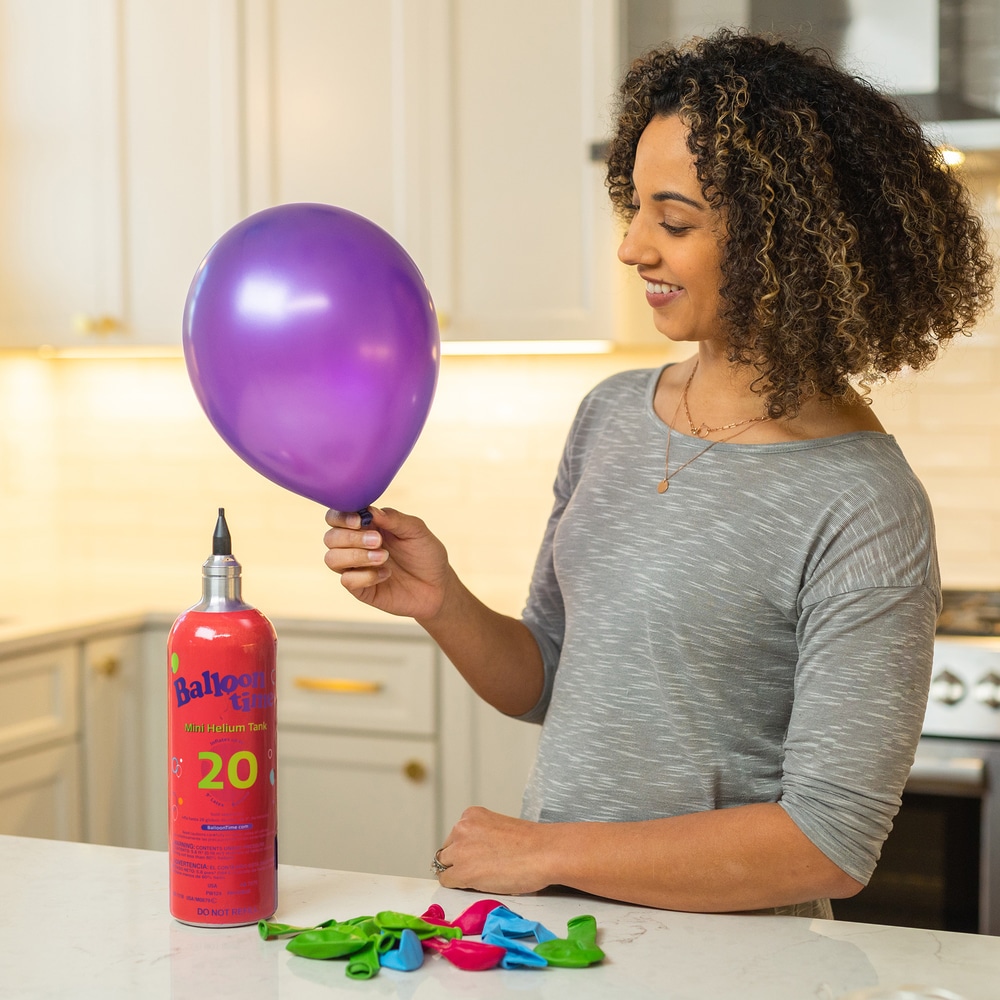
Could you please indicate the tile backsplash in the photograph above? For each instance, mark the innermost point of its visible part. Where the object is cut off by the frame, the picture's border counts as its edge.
(103, 463)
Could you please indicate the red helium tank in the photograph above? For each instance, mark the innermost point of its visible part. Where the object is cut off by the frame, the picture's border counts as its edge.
(222, 753)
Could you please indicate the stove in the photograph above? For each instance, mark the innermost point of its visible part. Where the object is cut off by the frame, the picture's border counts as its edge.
(964, 700)
(940, 867)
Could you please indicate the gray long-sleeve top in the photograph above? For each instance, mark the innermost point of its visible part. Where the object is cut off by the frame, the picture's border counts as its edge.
(761, 632)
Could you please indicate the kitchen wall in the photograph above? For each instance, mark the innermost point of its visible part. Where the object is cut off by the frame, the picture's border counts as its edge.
(110, 472)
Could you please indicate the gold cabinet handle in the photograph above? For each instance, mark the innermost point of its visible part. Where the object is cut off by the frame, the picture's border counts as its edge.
(337, 685)
(415, 771)
(98, 325)
(107, 667)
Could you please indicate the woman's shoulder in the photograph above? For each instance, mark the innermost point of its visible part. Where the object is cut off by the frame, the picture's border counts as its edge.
(631, 386)
(823, 418)
(620, 399)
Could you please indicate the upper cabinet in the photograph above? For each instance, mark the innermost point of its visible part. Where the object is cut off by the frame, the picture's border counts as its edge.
(533, 251)
(121, 160)
(346, 105)
(136, 132)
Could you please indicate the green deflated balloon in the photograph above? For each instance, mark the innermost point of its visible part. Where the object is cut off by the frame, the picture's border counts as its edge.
(577, 949)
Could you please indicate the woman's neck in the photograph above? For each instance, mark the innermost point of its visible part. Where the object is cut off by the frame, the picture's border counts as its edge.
(707, 396)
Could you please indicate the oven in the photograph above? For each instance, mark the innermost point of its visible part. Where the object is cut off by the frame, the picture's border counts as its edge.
(940, 866)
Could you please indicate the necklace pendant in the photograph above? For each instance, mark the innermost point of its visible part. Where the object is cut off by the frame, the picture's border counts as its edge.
(663, 486)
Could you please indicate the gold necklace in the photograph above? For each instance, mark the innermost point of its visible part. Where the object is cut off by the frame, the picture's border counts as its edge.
(664, 483)
(703, 430)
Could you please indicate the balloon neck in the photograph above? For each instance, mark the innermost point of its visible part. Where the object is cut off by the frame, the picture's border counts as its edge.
(366, 517)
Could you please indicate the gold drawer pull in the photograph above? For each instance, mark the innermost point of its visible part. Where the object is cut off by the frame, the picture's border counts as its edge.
(338, 685)
(97, 325)
(415, 771)
(107, 667)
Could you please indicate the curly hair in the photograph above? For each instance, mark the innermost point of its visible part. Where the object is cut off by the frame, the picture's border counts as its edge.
(851, 250)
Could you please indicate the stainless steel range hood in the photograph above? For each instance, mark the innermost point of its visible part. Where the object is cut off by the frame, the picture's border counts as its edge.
(940, 58)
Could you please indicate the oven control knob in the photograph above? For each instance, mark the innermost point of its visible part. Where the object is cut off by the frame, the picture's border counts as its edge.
(947, 688)
(987, 690)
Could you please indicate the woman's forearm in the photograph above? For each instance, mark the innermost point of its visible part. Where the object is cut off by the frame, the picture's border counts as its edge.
(496, 654)
(744, 858)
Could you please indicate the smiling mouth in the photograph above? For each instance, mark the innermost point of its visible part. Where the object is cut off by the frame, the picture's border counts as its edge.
(658, 288)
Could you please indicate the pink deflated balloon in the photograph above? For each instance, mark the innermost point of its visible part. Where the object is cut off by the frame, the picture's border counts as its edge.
(472, 956)
(312, 345)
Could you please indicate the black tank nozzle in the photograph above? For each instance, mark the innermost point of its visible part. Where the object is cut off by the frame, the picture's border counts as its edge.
(222, 543)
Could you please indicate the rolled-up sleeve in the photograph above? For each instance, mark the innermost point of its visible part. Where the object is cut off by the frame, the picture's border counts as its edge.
(860, 695)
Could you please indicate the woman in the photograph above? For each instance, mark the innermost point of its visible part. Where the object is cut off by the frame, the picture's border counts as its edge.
(729, 630)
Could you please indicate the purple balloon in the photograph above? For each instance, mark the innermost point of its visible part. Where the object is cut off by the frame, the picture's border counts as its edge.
(312, 345)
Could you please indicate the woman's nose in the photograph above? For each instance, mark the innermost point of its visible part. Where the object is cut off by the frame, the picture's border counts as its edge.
(634, 249)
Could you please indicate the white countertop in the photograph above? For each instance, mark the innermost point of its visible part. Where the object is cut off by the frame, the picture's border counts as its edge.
(85, 921)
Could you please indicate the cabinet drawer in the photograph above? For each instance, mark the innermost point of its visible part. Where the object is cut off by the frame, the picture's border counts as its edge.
(357, 803)
(40, 794)
(366, 685)
(38, 698)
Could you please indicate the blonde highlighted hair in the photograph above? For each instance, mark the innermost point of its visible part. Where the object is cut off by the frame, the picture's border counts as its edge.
(851, 250)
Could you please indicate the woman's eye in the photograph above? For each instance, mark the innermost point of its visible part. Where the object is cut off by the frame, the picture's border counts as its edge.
(675, 230)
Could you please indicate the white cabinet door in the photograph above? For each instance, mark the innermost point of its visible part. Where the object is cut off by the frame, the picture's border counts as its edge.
(486, 757)
(40, 794)
(112, 747)
(346, 105)
(357, 803)
(120, 129)
(39, 699)
(534, 244)
(59, 169)
(39, 745)
(180, 149)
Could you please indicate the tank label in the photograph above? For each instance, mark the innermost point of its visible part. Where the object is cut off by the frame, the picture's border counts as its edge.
(235, 687)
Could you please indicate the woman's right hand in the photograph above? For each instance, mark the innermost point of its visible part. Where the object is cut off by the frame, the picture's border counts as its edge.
(395, 564)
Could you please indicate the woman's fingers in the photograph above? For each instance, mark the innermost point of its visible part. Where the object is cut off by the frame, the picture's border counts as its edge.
(353, 549)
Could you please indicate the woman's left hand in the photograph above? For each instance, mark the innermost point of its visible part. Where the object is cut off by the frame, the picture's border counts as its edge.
(490, 852)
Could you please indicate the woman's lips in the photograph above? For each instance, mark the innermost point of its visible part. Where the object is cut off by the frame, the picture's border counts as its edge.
(660, 293)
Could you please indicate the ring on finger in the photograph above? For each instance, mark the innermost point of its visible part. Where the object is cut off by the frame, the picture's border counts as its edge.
(437, 866)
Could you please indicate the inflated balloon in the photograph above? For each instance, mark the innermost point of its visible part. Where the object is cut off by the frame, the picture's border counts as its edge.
(312, 345)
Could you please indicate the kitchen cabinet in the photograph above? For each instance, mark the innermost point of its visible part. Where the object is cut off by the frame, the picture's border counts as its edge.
(460, 132)
(533, 254)
(381, 744)
(112, 749)
(357, 803)
(69, 741)
(120, 132)
(39, 744)
(357, 750)
(40, 794)
(136, 132)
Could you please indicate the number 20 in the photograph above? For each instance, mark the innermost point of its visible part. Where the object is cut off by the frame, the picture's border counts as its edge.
(232, 769)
